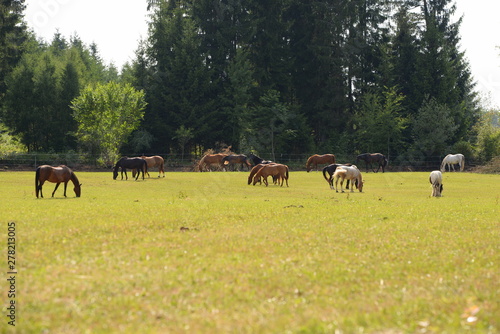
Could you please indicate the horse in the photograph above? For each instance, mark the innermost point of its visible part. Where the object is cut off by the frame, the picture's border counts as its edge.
(211, 159)
(258, 167)
(257, 160)
(274, 170)
(56, 175)
(236, 159)
(319, 160)
(370, 158)
(330, 169)
(451, 160)
(155, 161)
(436, 180)
(131, 163)
(350, 173)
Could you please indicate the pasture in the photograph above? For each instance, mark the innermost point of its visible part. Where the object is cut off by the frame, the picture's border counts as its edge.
(207, 253)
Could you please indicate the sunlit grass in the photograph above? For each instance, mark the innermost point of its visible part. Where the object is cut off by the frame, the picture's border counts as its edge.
(205, 252)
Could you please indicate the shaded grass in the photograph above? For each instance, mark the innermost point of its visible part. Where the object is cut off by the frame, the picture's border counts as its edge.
(257, 259)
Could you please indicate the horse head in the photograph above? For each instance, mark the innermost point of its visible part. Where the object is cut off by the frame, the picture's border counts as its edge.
(78, 190)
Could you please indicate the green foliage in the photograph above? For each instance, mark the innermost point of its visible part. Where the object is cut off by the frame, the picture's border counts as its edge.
(9, 144)
(106, 115)
(488, 135)
(433, 128)
(379, 122)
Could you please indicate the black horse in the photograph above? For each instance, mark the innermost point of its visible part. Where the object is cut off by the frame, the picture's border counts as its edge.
(370, 158)
(330, 169)
(257, 160)
(131, 163)
(234, 159)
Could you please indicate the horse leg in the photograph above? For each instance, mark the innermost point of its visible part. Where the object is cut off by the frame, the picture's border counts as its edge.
(57, 186)
(65, 186)
(40, 189)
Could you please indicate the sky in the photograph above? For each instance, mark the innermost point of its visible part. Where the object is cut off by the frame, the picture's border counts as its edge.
(117, 26)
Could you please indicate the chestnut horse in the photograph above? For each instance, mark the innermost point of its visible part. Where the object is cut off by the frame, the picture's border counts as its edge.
(274, 170)
(211, 159)
(56, 175)
(370, 158)
(155, 161)
(319, 160)
(258, 167)
(351, 173)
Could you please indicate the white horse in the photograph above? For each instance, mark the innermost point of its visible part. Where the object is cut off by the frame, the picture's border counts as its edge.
(451, 160)
(350, 173)
(436, 180)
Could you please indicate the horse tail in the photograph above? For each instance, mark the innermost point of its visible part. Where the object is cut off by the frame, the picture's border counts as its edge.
(37, 177)
(462, 163)
(324, 173)
(200, 164)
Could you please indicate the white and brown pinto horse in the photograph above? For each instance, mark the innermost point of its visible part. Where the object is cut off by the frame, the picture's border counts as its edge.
(436, 180)
(55, 175)
(451, 160)
(350, 173)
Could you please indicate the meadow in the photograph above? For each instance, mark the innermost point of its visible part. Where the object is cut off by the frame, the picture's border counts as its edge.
(207, 253)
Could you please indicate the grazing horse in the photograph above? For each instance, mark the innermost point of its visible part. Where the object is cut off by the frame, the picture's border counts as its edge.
(257, 160)
(236, 159)
(451, 160)
(350, 173)
(319, 160)
(131, 163)
(436, 180)
(330, 169)
(56, 175)
(370, 158)
(274, 170)
(211, 159)
(258, 167)
(155, 161)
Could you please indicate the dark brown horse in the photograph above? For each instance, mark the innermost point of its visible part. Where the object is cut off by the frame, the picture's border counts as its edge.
(55, 175)
(131, 163)
(234, 159)
(370, 158)
(319, 160)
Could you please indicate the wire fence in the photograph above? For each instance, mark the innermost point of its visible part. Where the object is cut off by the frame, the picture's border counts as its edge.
(188, 162)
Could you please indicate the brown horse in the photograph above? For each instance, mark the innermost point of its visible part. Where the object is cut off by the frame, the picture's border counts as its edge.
(278, 170)
(319, 160)
(211, 159)
(351, 173)
(234, 159)
(258, 167)
(55, 175)
(155, 161)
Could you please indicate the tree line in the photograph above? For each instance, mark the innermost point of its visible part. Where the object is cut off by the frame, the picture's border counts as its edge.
(288, 76)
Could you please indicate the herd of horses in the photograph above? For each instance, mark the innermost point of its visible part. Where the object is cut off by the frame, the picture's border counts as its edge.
(259, 173)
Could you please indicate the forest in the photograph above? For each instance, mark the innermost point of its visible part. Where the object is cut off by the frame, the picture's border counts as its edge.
(284, 76)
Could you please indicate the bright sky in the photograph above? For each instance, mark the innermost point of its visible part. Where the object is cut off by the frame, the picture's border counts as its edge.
(116, 26)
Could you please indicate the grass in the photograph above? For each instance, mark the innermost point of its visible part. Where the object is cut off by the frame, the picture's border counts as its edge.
(206, 253)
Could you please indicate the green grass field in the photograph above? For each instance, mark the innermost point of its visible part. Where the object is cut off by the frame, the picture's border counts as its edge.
(206, 253)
